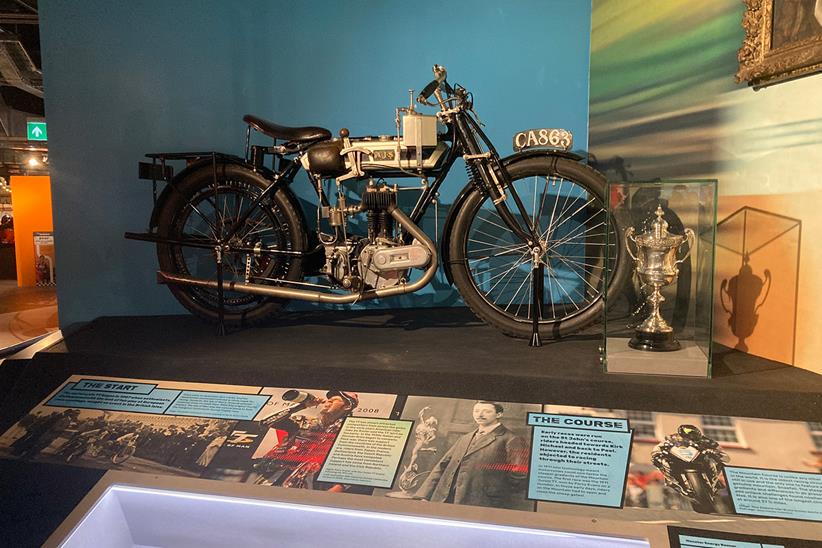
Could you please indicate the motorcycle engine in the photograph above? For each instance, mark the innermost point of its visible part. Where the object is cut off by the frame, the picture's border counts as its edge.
(373, 277)
(381, 259)
(386, 262)
(340, 261)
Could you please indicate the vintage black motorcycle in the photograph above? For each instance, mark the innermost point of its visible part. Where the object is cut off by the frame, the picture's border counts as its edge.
(524, 242)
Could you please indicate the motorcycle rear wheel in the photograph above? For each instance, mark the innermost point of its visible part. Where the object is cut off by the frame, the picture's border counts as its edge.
(204, 211)
(492, 266)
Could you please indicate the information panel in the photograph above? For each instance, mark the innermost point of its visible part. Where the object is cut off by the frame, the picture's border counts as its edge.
(682, 537)
(775, 493)
(147, 398)
(579, 460)
(366, 452)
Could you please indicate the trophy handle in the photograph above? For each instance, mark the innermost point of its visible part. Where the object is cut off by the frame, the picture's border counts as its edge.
(768, 278)
(723, 290)
(629, 237)
(691, 238)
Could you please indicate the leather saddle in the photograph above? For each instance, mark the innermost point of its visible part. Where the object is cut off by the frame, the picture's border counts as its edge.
(276, 131)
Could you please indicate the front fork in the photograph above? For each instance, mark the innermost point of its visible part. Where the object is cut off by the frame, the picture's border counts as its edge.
(496, 181)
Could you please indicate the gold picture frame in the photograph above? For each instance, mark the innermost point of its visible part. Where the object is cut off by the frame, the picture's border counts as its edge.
(780, 42)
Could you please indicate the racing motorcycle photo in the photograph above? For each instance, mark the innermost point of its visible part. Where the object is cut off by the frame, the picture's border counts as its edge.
(692, 465)
(527, 242)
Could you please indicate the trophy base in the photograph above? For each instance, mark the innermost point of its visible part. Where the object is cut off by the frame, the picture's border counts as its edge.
(654, 342)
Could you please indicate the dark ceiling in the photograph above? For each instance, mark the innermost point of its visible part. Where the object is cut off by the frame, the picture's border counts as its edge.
(21, 81)
(21, 89)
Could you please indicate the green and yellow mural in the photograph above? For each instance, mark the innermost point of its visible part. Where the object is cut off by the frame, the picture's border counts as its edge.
(664, 103)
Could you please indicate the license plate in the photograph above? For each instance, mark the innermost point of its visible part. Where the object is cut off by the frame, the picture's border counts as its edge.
(561, 139)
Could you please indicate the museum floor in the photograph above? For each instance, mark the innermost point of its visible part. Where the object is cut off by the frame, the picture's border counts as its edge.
(442, 352)
(25, 313)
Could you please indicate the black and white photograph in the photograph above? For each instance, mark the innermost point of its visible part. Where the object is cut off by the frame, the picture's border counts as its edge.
(139, 442)
(471, 452)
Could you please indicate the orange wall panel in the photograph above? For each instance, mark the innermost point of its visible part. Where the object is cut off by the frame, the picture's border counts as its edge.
(31, 206)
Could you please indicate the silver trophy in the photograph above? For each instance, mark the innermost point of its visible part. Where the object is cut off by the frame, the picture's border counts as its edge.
(424, 434)
(656, 266)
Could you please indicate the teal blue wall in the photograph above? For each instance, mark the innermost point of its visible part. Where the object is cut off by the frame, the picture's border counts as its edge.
(125, 78)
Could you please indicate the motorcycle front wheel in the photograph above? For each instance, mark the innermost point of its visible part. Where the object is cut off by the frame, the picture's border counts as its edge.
(492, 267)
(123, 454)
(202, 212)
(703, 500)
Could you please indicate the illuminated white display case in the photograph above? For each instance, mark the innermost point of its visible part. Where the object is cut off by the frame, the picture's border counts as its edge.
(128, 516)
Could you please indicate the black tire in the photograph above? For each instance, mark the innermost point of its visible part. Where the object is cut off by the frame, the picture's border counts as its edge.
(123, 454)
(576, 222)
(703, 500)
(72, 452)
(199, 210)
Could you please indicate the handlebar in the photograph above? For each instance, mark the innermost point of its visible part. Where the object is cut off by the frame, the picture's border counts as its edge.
(427, 91)
(440, 74)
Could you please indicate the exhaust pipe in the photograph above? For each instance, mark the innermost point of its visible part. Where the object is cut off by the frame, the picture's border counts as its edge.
(319, 296)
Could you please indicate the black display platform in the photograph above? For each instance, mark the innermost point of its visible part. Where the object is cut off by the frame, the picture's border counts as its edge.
(437, 352)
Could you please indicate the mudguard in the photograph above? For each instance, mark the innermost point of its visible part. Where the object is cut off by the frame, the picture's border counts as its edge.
(466, 191)
(266, 173)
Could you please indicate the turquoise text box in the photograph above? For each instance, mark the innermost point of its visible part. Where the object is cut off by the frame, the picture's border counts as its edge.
(217, 405)
(578, 466)
(775, 493)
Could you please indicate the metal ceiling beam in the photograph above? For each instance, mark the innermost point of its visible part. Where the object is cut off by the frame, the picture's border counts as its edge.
(18, 70)
(25, 5)
(19, 19)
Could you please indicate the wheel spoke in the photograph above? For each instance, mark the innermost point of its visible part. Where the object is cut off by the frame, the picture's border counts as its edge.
(500, 254)
(534, 209)
(206, 219)
(486, 220)
(580, 276)
(566, 219)
(504, 248)
(516, 265)
(562, 287)
(513, 269)
(521, 285)
(492, 236)
(224, 206)
(560, 242)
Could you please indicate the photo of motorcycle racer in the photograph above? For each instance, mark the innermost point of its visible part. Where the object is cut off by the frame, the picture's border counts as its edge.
(692, 465)
(297, 460)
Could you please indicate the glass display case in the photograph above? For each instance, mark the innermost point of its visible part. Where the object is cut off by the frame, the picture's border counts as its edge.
(659, 314)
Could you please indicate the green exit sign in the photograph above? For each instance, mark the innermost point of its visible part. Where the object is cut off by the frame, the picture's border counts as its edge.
(36, 131)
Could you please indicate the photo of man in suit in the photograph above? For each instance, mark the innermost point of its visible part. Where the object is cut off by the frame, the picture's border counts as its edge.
(485, 467)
